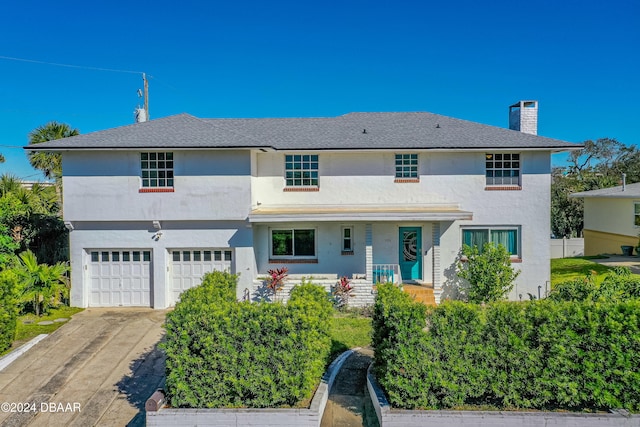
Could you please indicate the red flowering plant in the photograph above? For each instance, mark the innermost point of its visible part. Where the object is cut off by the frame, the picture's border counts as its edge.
(341, 292)
(276, 279)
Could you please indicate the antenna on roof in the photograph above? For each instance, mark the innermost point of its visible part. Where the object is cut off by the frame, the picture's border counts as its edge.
(142, 114)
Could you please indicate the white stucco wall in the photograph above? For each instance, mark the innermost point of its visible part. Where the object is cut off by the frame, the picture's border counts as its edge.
(139, 235)
(610, 215)
(104, 186)
(445, 178)
(328, 248)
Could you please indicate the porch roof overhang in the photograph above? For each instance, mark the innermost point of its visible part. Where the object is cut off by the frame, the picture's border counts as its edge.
(358, 213)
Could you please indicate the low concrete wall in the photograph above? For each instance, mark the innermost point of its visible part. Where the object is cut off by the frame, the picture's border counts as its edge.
(9, 358)
(405, 418)
(564, 248)
(304, 417)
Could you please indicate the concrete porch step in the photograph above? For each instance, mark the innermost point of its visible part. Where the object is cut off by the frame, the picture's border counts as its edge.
(421, 294)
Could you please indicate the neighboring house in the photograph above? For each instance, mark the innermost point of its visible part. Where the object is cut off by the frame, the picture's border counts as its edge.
(372, 196)
(611, 218)
(29, 184)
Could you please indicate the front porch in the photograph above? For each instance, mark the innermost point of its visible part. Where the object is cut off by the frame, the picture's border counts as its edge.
(369, 245)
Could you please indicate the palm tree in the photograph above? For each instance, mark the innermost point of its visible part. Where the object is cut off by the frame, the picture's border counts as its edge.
(1, 158)
(43, 285)
(49, 163)
(40, 199)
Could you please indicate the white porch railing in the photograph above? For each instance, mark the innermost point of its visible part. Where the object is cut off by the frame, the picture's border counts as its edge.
(386, 273)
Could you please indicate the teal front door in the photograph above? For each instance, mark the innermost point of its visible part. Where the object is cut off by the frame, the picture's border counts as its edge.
(410, 240)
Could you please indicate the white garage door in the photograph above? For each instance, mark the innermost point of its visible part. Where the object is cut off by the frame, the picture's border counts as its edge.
(189, 265)
(120, 278)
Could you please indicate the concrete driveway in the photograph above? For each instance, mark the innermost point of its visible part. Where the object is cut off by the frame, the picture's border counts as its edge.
(98, 369)
(633, 262)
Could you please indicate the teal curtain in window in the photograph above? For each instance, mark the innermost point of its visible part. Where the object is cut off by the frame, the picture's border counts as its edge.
(506, 238)
(475, 237)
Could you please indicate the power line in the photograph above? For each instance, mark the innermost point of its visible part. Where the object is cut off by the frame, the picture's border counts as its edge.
(83, 67)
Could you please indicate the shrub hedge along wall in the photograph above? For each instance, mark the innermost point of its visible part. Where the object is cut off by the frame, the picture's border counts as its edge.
(576, 355)
(8, 308)
(223, 353)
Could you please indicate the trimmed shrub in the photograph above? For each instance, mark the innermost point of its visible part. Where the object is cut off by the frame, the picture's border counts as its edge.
(535, 354)
(8, 308)
(223, 353)
(488, 271)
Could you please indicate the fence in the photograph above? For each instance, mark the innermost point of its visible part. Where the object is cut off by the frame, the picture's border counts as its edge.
(564, 248)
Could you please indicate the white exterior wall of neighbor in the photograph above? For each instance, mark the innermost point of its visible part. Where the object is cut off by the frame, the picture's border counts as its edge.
(208, 209)
(598, 215)
(445, 178)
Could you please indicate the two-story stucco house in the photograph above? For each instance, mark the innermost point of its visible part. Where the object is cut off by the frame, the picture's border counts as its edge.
(372, 196)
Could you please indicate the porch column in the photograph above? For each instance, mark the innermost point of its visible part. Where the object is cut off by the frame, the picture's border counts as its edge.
(368, 241)
(436, 279)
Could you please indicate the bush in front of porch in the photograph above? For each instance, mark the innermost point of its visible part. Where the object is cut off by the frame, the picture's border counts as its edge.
(488, 271)
(224, 353)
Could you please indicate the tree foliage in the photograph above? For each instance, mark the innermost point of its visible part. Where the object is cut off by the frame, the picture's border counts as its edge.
(42, 285)
(8, 307)
(488, 272)
(30, 219)
(599, 165)
(49, 163)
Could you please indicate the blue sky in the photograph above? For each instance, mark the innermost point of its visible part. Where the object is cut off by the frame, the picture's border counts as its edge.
(465, 59)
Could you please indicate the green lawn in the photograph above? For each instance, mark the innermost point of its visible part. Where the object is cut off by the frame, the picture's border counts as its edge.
(25, 332)
(349, 330)
(563, 269)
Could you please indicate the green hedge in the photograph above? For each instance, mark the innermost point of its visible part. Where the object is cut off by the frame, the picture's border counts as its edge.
(8, 308)
(537, 354)
(617, 285)
(223, 353)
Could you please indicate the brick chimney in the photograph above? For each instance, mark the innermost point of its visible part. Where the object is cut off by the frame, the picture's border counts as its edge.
(523, 116)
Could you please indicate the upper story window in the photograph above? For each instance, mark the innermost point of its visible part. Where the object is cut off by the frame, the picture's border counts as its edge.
(406, 166)
(301, 170)
(503, 169)
(636, 214)
(157, 170)
(509, 237)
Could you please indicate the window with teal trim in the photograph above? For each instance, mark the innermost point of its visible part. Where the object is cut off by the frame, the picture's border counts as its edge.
(406, 166)
(507, 237)
(502, 169)
(157, 170)
(301, 170)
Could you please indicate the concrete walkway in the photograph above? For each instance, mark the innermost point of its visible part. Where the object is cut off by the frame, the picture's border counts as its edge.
(349, 404)
(98, 369)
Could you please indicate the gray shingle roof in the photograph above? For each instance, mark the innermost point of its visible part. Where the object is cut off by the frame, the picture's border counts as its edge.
(383, 131)
(631, 191)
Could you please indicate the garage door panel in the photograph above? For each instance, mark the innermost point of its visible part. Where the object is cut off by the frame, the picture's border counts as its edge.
(120, 278)
(190, 265)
